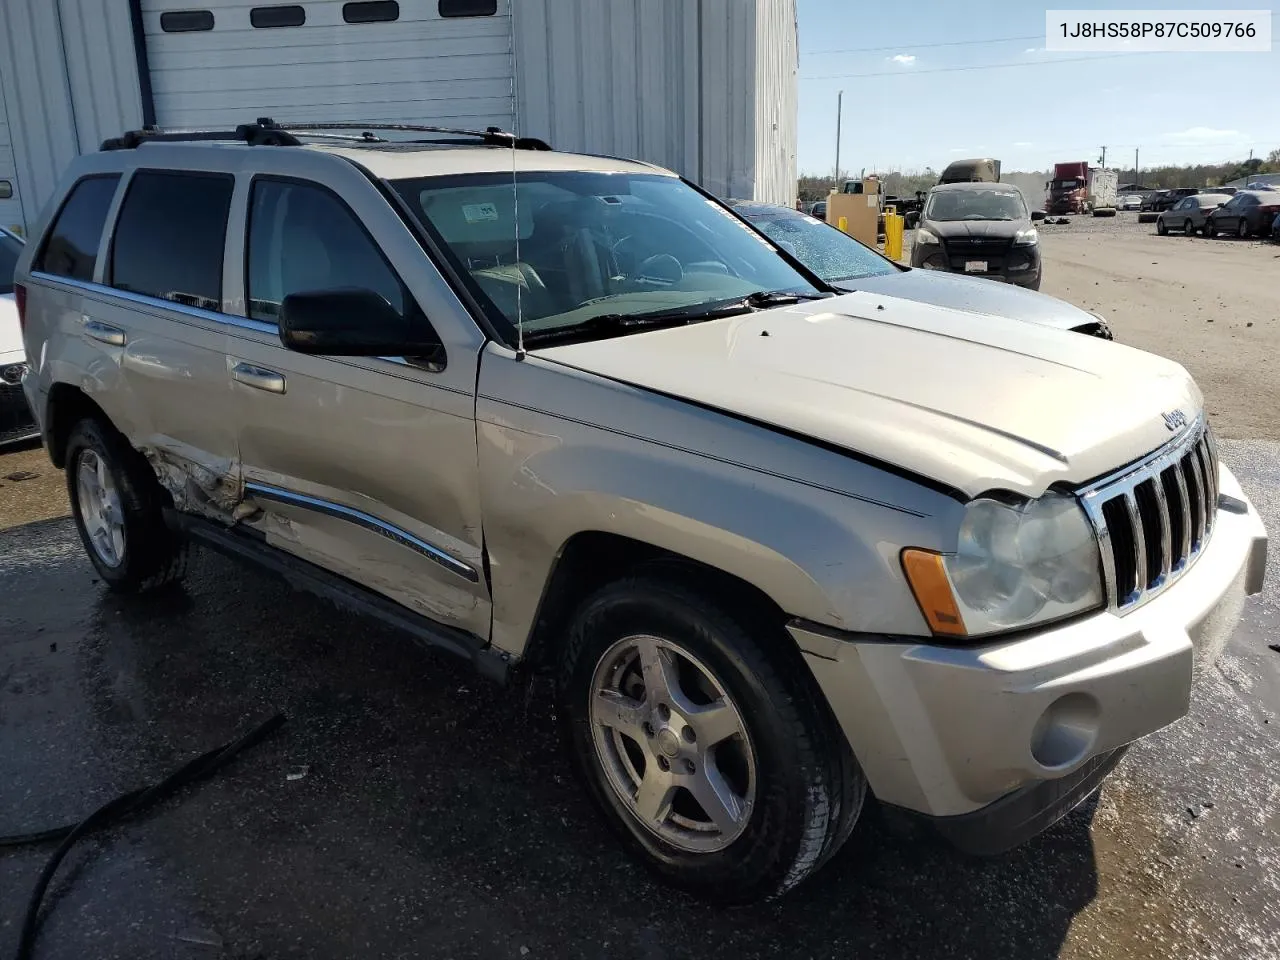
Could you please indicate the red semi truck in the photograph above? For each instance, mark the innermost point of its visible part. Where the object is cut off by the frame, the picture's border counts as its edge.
(1078, 188)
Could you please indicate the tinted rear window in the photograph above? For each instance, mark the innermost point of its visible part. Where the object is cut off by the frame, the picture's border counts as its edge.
(10, 248)
(72, 247)
(169, 237)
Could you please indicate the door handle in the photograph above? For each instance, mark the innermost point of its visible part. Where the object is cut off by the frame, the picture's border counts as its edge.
(104, 332)
(258, 378)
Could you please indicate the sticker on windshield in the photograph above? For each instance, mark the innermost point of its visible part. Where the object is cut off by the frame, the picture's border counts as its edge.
(479, 212)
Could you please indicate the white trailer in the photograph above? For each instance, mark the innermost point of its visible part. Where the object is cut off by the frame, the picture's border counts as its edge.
(1102, 192)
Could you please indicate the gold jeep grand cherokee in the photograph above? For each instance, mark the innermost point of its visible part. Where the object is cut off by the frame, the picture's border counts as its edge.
(778, 546)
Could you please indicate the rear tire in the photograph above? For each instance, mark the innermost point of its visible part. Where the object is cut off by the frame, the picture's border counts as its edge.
(647, 658)
(1189, 228)
(116, 503)
(1161, 228)
(1242, 229)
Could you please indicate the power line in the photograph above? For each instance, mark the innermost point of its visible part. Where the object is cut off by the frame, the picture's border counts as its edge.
(926, 46)
(906, 72)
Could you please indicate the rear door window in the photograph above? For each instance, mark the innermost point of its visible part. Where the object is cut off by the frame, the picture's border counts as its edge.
(170, 235)
(71, 249)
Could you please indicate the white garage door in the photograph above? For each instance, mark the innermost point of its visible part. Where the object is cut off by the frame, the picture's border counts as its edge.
(229, 62)
(10, 205)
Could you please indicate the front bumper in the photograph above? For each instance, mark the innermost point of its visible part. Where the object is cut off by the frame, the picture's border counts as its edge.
(1016, 265)
(947, 731)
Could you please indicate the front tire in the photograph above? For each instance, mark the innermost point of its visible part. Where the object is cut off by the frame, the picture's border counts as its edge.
(1242, 229)
(116, 504)
(1210, 229)
(1189, 228)
(717, 764)
(1161, 228)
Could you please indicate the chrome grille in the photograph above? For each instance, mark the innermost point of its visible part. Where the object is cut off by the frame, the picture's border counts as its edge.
(1154, 518)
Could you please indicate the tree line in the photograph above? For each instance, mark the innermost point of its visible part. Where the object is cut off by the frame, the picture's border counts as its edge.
(901, 184)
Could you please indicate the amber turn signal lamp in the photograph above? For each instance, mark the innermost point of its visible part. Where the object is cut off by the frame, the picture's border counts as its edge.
(928, 580)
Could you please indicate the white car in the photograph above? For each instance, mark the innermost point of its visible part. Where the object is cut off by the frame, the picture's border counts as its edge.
(1131, 201)
(16, 421)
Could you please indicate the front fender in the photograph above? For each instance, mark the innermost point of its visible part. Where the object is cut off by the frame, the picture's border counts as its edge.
(563, 452)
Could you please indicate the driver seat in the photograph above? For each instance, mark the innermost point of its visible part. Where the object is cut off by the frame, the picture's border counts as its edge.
(563, 245)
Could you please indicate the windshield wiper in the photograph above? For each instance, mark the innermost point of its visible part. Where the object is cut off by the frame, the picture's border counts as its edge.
(606, 325)
(778, 298)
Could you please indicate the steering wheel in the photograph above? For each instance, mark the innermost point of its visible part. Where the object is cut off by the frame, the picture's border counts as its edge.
(660, 268)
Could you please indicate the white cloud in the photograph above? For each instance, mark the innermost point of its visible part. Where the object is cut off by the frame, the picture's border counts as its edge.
(905, 59)
(1023, 143)
(1205, 135)
(1034, 50)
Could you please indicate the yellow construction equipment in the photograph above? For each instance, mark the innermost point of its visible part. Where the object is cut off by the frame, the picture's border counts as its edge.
(893, 226)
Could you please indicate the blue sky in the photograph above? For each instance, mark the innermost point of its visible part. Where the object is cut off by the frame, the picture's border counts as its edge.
(1175, 107)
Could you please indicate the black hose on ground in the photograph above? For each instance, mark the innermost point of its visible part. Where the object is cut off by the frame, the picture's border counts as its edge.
(122, 806)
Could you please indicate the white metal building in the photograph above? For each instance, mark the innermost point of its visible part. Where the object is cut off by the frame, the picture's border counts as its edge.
(706, 87)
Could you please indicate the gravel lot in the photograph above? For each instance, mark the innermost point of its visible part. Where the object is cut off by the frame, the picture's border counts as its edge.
(1212, 305)
(435, 816)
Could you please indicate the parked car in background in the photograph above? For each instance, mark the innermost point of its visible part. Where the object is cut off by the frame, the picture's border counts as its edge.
(979, 229)
(1248, 213)
(1188, 215)
(1131, 201)
(819, 210)
(16, 420)
(1152, 201)
(1172, 197)
(847, 264)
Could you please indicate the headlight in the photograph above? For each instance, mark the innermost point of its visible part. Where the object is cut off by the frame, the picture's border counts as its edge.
(1026, 238)
(12, 373)
(1015, 565)
(1103, 329)
(925, 236)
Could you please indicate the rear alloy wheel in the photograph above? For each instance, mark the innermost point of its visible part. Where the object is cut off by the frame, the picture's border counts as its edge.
(100, 509)
(1161, 228)
(1189, 228)
(1242, 228)
(117, 503)
(718, 764)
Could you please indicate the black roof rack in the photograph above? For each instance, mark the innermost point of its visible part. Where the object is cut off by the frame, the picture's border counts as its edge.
(265, 132)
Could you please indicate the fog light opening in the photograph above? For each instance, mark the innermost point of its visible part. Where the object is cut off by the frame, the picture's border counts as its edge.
(1065, 732)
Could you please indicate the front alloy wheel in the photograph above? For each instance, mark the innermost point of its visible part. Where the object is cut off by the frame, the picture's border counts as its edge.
(702, 736)
(672, 744)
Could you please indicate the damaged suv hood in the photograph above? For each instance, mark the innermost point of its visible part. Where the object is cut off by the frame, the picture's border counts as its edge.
(975, 402)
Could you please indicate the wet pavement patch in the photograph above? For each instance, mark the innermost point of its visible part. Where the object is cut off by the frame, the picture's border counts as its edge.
(409, 809)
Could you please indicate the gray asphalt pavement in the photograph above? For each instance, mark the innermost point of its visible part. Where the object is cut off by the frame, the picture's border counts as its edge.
(410, 809)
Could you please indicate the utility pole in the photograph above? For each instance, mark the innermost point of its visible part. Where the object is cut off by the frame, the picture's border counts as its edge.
(1103, 162)
(839, 113)
(1136, 178)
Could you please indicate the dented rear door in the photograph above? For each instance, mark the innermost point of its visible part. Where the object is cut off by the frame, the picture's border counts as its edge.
(162, 321)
